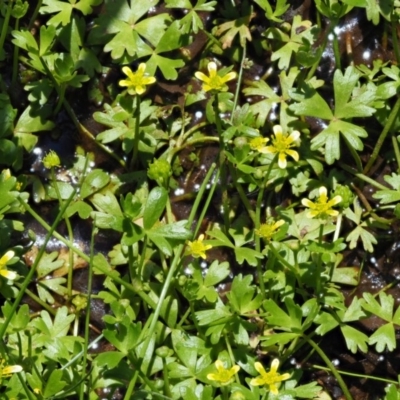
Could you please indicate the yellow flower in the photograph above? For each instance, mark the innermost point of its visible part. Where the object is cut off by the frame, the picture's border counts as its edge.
(268, 229)
(51, 159)
(136, 82)
(323, 206)
(282, 144)
(197, 248)
(3, 266)
(214, 81)
(223, 375)
(258, 143)
(271, 378)
(6, 371)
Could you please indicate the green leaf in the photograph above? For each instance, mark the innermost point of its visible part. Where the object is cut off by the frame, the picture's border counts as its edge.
(243, 297)
(64, 10)
(384, 337)
(350, 102)
(273, 15)
(216, 273)
(355, 340)
(301, 31)
(93, 182)
(32, 121)
(346, 275)
(48, 263)
(54, 384)
(155, 206)
(109, 359)
(389, 196)
(280, 319)
(383, 310)
(83, 209)
(130, 36)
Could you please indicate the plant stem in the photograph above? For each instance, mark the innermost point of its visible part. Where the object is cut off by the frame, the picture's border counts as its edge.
(5, 25)
(136, 139)
(239, 83)
(171, 273)
(382, 137)
(331, 367)
(222, 166)
(395, 144)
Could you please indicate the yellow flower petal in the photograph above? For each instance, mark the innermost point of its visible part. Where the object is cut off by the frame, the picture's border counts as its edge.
(137, 81)
(322, 207)
(11, 369)
(214, 81)
(11, 275)
(282, 160)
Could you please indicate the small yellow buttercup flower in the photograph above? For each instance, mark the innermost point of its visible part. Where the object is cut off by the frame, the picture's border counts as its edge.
(197, 248)
(223, 375)
(258, 143)
(51, 159)
(281, 145)
(6, 371)
(214, 81)
(322, 208)
(267, 230)
(271, 378)
(11, 275)
(137, 81)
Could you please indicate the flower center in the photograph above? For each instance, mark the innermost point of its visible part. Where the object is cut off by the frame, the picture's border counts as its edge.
(216, 82)
(271, 377)
(257, 143)
(197, 248)
(136, 80)
(266, 230)
(281, 145)
(224, 376)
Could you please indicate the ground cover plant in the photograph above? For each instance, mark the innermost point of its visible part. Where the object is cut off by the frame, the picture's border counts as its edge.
(199, 199)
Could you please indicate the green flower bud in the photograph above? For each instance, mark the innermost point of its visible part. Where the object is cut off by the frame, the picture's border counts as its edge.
(51, 159)
(160, 171)
(346, 194)
(164, 352)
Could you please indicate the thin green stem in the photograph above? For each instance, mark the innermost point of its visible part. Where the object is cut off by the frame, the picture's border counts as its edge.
(5, 25)
(15, 60)
(336, 52)
(171, 273)
(61, 98)
(208, 201)
(389, 123)
(395, 39)
(361, 376)
(331, 367)
(395, 144)
(222, 166)
(239, 83)
(232, 357)
(319, 264)
(136, 139)
(258, 223)
(37, 299)
(35, 14)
